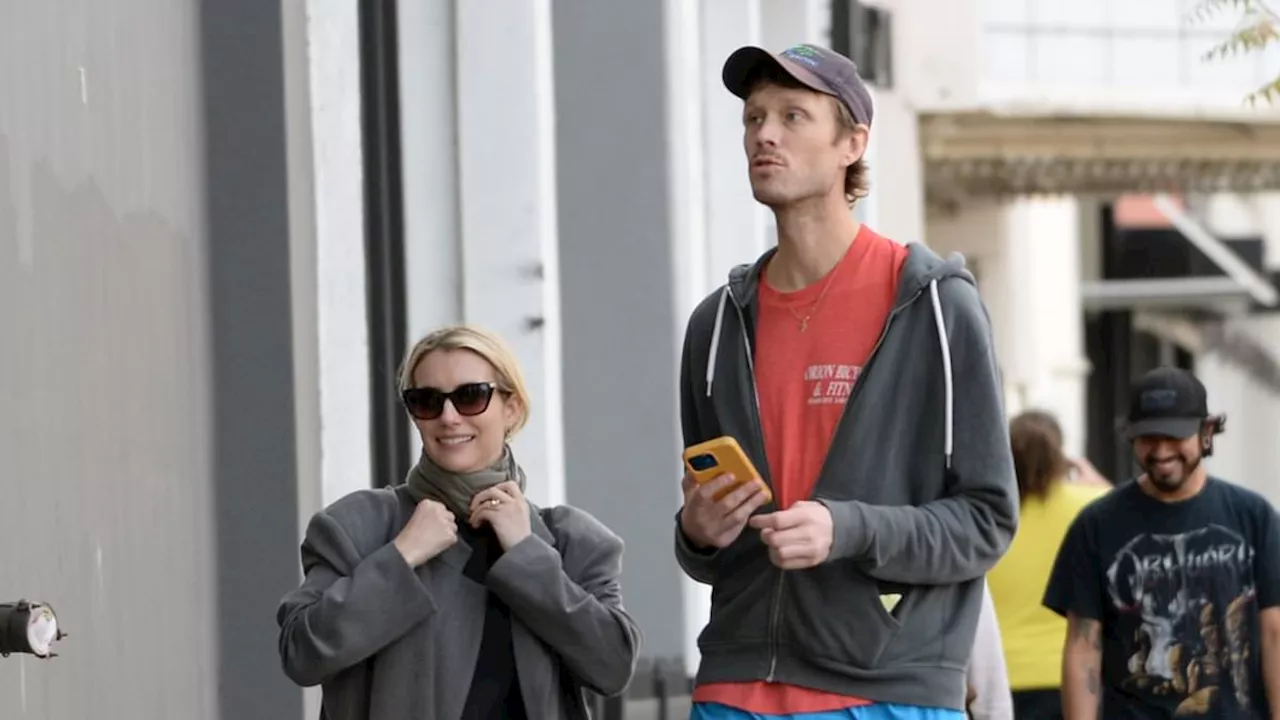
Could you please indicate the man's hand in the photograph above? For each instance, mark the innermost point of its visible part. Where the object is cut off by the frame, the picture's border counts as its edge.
(708, 522)
(798, 537)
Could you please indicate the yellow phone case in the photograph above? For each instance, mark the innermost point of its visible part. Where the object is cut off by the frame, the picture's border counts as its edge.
(713, 458)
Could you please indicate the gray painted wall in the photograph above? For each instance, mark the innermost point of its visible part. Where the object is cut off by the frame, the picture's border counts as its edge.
(617, 303)
(146, 418)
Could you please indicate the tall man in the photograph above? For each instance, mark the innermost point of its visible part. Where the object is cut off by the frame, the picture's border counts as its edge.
(859, 376)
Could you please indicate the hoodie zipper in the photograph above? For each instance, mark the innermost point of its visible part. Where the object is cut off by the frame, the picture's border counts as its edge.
(776, 609)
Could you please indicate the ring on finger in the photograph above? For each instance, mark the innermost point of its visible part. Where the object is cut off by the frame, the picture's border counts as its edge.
(493, 502)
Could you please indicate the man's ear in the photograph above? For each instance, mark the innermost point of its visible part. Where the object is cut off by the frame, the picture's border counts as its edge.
(1213, 425)
(1216, 424)
(856, 144)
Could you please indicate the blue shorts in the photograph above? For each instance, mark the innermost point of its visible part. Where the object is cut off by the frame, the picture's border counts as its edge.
(878, 711)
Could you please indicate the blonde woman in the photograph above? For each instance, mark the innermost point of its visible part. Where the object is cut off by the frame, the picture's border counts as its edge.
(451, 595)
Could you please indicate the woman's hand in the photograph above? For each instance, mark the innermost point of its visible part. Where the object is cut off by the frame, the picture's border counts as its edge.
(430, 531)
(1087, 474)
(504, 508)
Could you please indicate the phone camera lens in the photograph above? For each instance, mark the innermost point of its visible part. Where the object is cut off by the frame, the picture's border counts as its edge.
(702, 462)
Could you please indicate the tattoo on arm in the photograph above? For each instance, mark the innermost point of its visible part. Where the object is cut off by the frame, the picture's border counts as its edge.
(1086, 630)
(1087, 633)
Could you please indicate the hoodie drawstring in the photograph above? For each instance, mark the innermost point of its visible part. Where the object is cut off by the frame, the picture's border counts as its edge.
(948, 383)
(949, 389)
(715, 339)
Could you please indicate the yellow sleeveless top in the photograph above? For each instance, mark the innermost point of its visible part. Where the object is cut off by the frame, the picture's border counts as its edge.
(1032, 635)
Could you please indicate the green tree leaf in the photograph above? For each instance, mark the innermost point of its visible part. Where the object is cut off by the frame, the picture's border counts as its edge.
(1258, 28)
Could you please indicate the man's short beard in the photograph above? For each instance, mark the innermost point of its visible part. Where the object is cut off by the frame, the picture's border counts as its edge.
(1170, 485)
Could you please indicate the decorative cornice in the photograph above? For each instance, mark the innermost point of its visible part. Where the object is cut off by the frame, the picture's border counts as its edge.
(985, 154)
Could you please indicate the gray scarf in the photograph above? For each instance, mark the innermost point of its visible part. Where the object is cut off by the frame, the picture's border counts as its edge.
(429, 480)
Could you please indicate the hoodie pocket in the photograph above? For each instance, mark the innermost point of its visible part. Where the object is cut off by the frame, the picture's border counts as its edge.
(740, 604)
(842, 617)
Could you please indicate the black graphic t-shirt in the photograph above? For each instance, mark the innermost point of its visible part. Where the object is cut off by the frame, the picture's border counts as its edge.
(1177, 587)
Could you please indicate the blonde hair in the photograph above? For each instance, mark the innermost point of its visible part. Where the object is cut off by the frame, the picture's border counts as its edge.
(488, 346)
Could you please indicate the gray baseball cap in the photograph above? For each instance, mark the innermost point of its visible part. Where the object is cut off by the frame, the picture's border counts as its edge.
(813, 66)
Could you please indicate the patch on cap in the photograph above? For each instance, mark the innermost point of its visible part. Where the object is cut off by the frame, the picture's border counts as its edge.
(804, 54)
(1158, 400)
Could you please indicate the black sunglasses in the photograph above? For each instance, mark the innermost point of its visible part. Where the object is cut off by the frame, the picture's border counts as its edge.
(427, 403)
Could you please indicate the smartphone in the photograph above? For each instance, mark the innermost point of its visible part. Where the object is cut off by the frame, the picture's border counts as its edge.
(713, 458)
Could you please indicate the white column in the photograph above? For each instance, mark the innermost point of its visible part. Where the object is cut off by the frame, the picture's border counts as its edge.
(977, 230)
(1232, 215)
(685, 159)
(1028, 256)
(689, 216)
(1045, 336)
(338, 191)
(895, 204)
(1247, 452)
(429, 171)
(1267, 210)
(321, 40)
(716, 222)
(736, 223)
(507, 209)
(429, 161)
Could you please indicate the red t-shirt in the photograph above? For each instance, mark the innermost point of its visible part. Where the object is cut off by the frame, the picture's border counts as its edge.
(804, 379)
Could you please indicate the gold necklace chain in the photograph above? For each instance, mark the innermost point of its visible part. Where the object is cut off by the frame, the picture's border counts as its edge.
(813, 308)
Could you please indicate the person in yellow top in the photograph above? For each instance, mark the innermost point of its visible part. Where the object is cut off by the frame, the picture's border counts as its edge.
(1050, 499)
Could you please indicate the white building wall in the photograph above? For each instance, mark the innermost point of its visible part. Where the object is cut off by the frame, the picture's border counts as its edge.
(1043, 234)
(334, 46)
(478, 156)
(938, 52)
(327, 259)
(737, 227)
(1026, 255)
(692, 188)
(453, 201)
(507, 210)
(1137, 54)
(896, 200)
(1267, 209)
(1247, 453)
(429, 162)
(328, 255)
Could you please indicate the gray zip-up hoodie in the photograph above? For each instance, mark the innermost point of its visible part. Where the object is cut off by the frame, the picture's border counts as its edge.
(919, 481)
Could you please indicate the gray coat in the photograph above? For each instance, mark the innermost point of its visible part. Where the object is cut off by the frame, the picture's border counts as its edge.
(389, 642)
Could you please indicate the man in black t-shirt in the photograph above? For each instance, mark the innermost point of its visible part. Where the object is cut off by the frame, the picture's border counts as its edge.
(1171, 583)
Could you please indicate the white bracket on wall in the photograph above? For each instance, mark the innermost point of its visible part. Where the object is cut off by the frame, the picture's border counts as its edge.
(1259, 288)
